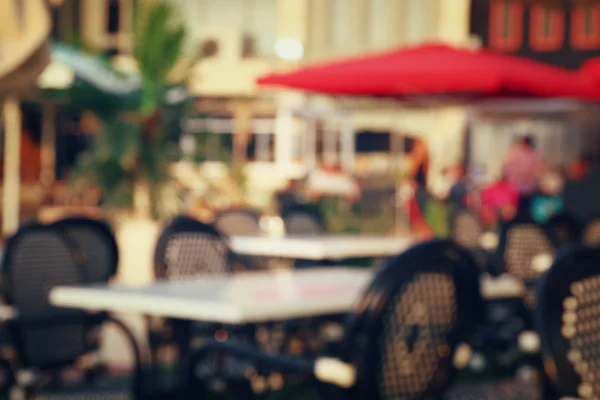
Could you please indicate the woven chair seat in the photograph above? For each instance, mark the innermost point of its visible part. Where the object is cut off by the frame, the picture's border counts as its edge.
(506, 390)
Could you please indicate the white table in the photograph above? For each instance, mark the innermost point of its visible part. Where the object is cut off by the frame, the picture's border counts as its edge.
(243, 298)
(320, 247)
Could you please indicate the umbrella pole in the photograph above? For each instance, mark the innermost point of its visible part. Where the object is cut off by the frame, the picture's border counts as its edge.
(12, 154)
(401, 222)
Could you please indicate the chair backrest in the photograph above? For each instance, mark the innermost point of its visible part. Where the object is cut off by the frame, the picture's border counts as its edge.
(410, 320)
(591, 233)
(563, 229)
(39, 258)
(521, 242)
(567, 317)
(582, 197)
(303, 219)
(97, 246)
(188, 248)
(466, 228)
(242, 222)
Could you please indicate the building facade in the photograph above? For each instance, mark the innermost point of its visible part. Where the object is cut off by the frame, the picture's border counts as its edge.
(240, 40)
(563, 33)
(333, 29)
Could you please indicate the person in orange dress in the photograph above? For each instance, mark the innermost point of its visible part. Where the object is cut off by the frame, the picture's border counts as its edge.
(31, 164)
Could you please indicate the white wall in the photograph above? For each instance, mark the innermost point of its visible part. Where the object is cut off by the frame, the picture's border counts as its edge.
(257, 18)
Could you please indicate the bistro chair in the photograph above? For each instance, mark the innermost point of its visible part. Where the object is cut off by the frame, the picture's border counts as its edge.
(525, 250)
(303, 219)
(563, 229)
(241, 222)
(48, 339)
(188, 248)
(591, 232)
(96, 245)
(567, 316)
(401, 337)
(467, 230)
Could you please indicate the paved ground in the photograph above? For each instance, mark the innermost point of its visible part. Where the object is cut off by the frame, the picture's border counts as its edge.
(137, 240)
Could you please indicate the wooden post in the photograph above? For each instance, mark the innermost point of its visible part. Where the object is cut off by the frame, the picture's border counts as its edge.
(12, 163)
(48, 148)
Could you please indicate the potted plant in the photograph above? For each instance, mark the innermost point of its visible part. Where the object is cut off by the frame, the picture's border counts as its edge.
(131, 155)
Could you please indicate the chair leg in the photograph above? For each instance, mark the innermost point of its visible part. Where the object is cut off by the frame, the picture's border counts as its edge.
(548, 391)
(182, 332)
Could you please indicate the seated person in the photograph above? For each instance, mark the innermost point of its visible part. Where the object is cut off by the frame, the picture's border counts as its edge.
(548, 202)
(499, 201)
(460, 189)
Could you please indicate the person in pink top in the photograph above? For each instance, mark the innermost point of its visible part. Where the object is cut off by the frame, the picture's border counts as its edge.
(500, 199)
(522, 169)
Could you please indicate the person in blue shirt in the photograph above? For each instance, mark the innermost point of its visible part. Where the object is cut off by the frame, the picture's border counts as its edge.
(549, 200)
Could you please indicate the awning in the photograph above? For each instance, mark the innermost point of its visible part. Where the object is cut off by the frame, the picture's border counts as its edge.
(437, 69)
(88, 80)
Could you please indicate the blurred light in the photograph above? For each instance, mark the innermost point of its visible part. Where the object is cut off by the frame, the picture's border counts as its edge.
(56, 76)
(176, 95)
(187, 144)
(289, 49)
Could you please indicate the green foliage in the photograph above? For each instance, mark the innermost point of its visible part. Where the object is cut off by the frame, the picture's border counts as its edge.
(436, 215)
(157, 45)
(133, 146)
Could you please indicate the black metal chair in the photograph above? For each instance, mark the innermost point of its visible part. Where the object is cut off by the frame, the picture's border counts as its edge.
(567, 317)
(400, 340)
(188, 248)
(525, 251)
(466, 230)
(47, 338)
(563, 229)
(241, 222)
(303, 220)
(97, 245)
(591, 232)
(521, 242)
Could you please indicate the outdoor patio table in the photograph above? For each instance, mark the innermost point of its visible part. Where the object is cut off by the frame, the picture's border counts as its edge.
(245, 298)
(320, 247)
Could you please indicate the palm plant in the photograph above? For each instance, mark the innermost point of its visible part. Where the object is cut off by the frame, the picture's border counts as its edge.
(130, 157)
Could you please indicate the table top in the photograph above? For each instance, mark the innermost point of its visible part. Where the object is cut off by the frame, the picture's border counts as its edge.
(320, 247)
(244, 298)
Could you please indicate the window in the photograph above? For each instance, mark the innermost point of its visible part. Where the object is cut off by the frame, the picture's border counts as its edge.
(506, 25)
(372, 142)
(113, 16)
(547, 28)
(261, 147)
(585, 27)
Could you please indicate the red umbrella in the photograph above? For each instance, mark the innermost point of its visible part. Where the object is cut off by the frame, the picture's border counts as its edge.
(436, 69)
